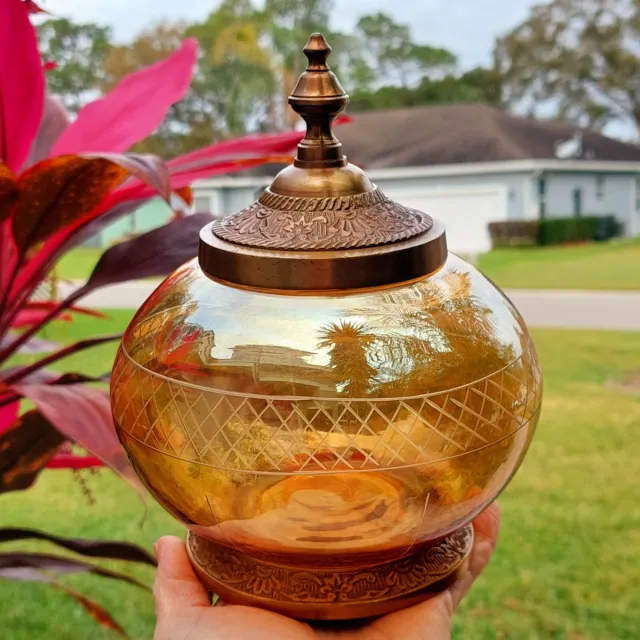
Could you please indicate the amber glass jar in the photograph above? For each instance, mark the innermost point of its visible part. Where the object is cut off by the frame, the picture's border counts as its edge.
(326, 446)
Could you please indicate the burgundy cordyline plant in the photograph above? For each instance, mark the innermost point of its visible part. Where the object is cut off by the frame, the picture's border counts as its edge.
(60, 183)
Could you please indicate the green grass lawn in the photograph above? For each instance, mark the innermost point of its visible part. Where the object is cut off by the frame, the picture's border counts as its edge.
(567, 565)
(78, 264)
(592, 266)
(613, 265)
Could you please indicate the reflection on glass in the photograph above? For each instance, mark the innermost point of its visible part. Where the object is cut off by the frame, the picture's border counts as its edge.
(328, 427)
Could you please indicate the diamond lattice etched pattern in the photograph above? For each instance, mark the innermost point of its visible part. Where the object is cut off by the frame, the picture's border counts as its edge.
(250, 432)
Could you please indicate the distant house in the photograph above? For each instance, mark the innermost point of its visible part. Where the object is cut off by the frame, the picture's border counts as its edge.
(470, 165)
(149, 216)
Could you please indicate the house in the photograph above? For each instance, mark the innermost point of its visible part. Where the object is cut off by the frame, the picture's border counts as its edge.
(471, 164)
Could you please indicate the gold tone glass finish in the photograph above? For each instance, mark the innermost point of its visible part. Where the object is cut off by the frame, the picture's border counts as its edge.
(326, 397)
(327, 431)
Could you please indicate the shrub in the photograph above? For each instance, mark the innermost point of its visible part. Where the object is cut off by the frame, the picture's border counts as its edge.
(584, 229)
(514, 233)
(523, 233)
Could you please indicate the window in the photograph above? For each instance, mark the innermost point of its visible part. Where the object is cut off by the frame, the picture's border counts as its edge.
(542, 187)
(542, 192)
(600, 184)
(577, 202)
(202, 204)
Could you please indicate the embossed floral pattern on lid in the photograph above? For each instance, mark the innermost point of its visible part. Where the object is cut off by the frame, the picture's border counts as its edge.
(302, 224)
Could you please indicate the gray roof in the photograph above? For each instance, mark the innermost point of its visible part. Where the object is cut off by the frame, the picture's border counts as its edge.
(461, 133)
(464, 133)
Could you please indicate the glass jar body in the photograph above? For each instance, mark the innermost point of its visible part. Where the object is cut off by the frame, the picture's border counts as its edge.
(327, 429)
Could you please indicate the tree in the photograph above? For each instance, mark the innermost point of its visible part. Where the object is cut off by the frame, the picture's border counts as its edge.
(287, 24)
(576, 60)
(393, 56)
(79, 52)
(236, 78)
(348, 344)
(176, 133)
(388, 69)
(477, 85)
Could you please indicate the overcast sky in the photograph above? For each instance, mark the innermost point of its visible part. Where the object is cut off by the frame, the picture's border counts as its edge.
(466, 27)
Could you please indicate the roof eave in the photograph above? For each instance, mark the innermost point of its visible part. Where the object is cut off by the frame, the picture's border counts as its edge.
(458, 169)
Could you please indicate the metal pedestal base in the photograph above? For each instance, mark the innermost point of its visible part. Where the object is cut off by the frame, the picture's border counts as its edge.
(330, 594)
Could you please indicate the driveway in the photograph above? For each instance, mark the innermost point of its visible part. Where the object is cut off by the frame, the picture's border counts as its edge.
(540, 308)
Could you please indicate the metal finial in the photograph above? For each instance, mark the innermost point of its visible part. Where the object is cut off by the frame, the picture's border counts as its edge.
(322, 225)
(319, 98)
(317, 51)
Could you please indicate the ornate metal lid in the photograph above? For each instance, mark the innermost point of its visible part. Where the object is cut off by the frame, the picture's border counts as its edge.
(321, 225)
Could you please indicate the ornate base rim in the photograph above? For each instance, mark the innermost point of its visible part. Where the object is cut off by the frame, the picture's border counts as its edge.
(335, 594)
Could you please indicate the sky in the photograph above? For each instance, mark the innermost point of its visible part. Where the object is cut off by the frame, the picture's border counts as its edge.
(466, 27)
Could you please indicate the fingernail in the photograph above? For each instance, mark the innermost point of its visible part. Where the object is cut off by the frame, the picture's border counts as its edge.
(155, 548)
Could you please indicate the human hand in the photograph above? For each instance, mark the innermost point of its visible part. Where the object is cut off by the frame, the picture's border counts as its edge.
(184, 611)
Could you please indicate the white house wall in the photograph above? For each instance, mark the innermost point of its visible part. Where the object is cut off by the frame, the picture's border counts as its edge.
(618, 196)
(234, 198)
(514, 183)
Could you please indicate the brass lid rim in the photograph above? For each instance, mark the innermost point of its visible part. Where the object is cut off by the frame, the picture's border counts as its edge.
(323, 226)
(320, 271)
(292, 223)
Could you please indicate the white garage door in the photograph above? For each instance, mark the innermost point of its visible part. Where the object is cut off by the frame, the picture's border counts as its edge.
(465, 212)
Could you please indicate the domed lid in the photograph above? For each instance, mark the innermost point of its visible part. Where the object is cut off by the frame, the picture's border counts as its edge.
(321, 225)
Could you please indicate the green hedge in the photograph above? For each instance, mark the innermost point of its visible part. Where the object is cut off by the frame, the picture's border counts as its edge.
(514, 233)
(584, 229)
(518, 233)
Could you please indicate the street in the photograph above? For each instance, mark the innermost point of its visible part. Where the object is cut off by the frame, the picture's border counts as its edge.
(616, 310)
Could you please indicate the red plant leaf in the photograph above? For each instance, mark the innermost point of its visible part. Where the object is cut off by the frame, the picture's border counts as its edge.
(57, 192)
(186, 193)
(8, 415)
(149, 169)
(55, 120)
(252, 146)
(8, 191)
(134, 109)
(30, 317)
(59, 355)
(110, 549)
(25, 567)
(96, 611)
(67, 239)
(83, 415)
(154, 253)
(213, 160)
(85, 311)
(8, 258)
(33, 7)
(48, 305)
(9, 395)
(25, 449)
(30, 346)
(61, 564)
(74, 461)
(21, 84)
(146, 168)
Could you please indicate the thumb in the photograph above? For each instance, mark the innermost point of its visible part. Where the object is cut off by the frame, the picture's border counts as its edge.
(176, 586)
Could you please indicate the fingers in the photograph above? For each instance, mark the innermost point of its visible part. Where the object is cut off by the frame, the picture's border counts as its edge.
(486, 528)
(176, 586)
(432, 618)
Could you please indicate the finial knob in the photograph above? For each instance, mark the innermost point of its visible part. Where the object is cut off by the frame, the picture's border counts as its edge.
(319, 98)
(317, 51)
